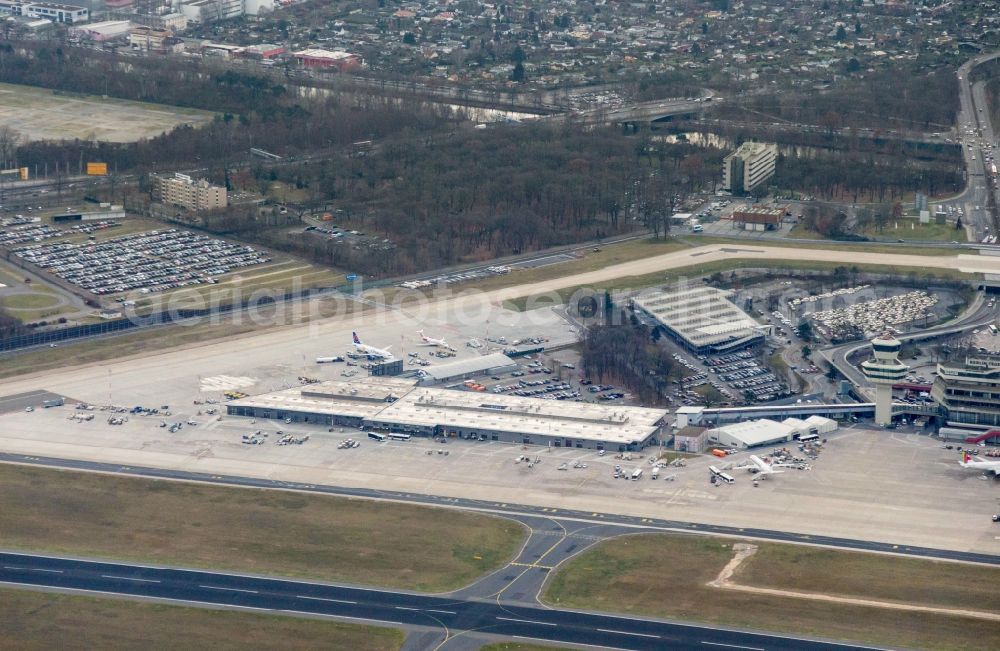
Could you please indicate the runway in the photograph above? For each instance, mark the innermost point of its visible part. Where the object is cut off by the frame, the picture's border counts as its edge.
(626, 522)
(396, 608)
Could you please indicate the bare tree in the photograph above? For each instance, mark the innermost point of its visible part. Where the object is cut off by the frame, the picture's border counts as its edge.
(9, 141)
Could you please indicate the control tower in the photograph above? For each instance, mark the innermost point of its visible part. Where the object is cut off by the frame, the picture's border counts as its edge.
(884, 371)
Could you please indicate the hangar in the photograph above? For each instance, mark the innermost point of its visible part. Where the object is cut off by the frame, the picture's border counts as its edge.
(765, 431)
(752, 433)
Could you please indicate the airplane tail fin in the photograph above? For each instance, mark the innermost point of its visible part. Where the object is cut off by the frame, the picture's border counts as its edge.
(356, 339)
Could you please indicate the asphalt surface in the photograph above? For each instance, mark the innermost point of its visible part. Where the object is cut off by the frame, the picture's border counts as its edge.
(400, 608)
(21, 401)
(634, 524)
(975, 112)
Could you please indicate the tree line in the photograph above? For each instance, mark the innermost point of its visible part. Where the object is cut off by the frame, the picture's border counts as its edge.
(478, 194)
(894, 98)
(10, 326)
(864, 177)
(628, 354)
(252, 111)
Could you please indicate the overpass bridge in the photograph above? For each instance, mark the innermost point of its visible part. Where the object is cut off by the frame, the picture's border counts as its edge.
(632, 115)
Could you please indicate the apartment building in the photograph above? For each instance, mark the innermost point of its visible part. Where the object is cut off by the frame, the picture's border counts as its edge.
(182, 190)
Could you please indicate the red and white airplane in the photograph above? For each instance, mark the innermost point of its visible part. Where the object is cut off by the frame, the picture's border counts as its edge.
(992, 465)
(431, 341)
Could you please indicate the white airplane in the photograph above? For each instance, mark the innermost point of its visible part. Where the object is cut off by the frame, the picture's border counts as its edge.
(431, 341)
(371, 351)
(762, 468)
(992, 465)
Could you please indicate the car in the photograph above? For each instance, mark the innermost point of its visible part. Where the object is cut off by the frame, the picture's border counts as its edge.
(996, 517)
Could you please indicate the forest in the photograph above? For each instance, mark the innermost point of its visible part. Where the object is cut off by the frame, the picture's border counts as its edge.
(253, 111)
(864, 177)
(882, 99)
(479, 194)
(629, 354)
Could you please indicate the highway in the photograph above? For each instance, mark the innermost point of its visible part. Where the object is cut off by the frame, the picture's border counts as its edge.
(974, 114)
(399, 608)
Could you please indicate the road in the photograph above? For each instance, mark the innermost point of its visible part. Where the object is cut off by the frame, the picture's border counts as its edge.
(974, 115)
(297, 597)
(977, 316)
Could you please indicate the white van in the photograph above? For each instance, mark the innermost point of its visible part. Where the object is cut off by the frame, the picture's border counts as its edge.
(697, 228)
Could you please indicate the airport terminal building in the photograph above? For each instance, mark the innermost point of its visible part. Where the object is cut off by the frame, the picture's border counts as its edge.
(398, 405)
(969, 392)
(703, 319)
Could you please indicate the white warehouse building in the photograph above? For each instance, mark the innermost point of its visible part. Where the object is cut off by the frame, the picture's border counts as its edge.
(755, 433)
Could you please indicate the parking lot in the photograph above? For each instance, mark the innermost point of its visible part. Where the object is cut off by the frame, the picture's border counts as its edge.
(739, 377)
(868, 318)
(37, 232)
(152, 261)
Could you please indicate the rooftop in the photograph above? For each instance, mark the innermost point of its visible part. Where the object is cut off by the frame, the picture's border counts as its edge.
(758, 432)
(396, 401)
(702, 316)
(572, 420)
(358, 399)
(467, 366)
(316, 53)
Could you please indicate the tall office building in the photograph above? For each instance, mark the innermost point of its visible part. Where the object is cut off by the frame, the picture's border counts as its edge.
(749, 166)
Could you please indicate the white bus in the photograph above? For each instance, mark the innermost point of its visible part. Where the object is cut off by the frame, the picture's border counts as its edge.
(399, 437)
(721, 476)
(808, 438)
(993, 329)
(375, 436)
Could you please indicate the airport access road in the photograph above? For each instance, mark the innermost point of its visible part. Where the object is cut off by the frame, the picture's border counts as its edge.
(284, 596)
(978, 315)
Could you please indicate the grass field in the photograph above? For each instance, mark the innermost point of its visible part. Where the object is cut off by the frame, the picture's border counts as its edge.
(147, 341)
(667, 575)
(905, 580)
(34, 301)
(267, 280)
(912, 229)
(590, 261)
(909, 229)
(902, 249)
(46, 620)
(41, 114)
(41, 303)
(250, 530)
